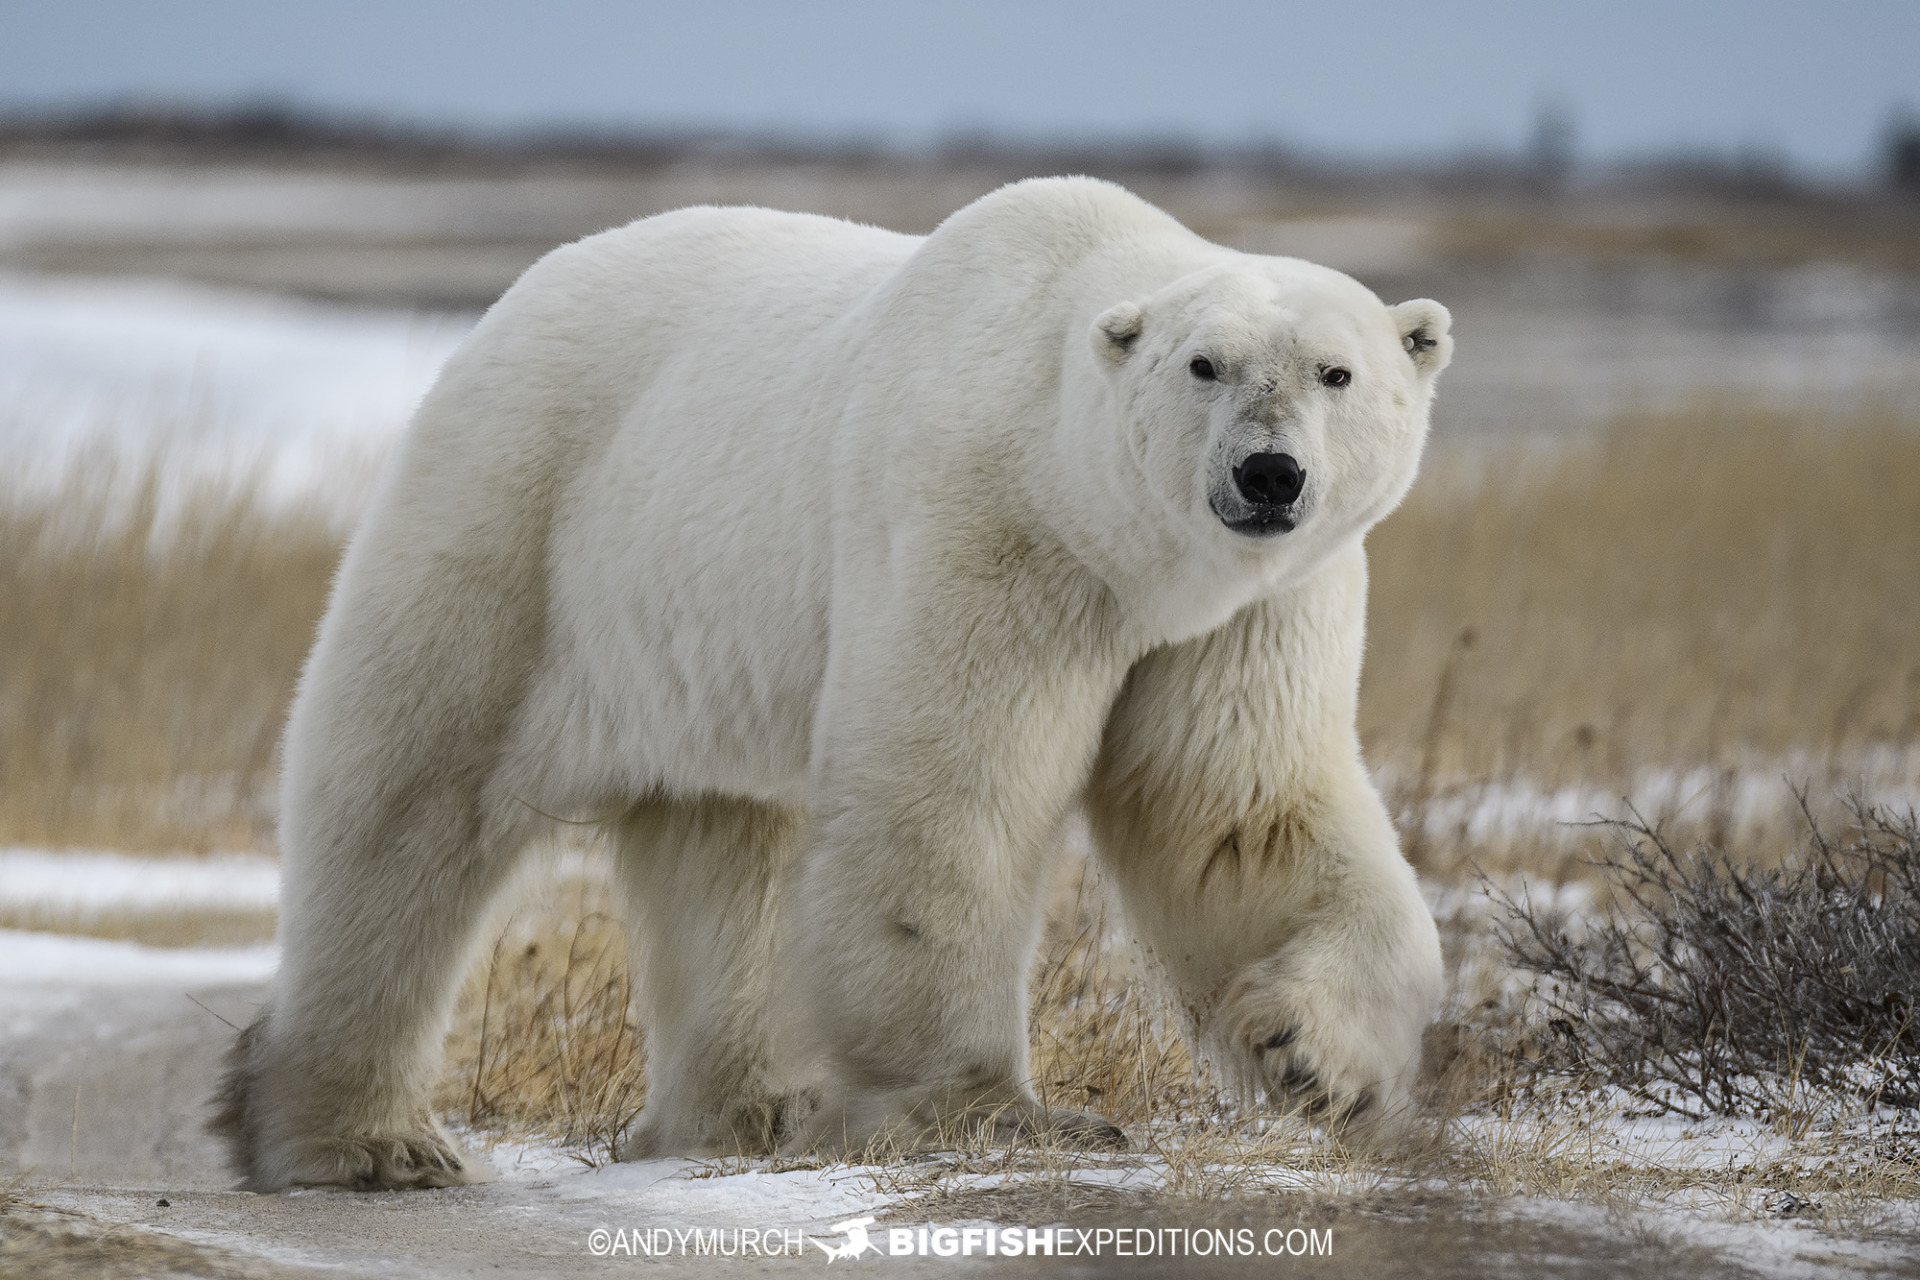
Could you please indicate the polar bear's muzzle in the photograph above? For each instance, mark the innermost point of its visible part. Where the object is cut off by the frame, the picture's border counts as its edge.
(1265, 498)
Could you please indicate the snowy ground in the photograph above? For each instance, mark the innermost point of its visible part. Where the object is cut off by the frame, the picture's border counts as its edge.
(76, 881)
(1520, 809)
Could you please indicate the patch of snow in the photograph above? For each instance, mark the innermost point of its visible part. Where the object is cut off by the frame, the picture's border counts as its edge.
(34, 961)
(1483, 813)
(89, 883)
(1762, 1247)
(518, 1161)
(690, 1191)
(306, 395)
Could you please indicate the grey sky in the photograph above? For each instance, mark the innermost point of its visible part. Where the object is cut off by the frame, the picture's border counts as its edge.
(1814, 82)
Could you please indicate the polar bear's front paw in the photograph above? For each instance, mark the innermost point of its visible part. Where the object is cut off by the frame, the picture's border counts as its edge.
(1337, 1042)
(1289, 1074)
(413, 1159)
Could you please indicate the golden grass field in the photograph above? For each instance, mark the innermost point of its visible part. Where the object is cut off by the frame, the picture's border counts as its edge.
(1718, 595)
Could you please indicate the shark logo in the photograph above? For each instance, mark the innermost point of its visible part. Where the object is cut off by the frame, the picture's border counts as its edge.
(856, 1244)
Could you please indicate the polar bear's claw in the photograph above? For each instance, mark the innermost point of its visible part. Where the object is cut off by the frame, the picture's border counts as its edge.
(1077, 1130)
(387, 1162)
(1300, 1078)
(1347, 1051)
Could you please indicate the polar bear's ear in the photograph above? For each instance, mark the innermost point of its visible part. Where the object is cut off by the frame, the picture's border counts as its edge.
(1114, 331)
(1424, 327)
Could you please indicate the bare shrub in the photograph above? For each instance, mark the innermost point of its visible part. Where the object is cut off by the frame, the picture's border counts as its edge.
(1714, 987)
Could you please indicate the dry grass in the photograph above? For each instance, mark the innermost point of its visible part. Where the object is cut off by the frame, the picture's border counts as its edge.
(545, 1042)
(1728, 590)
(148, 648)
(1756, 233)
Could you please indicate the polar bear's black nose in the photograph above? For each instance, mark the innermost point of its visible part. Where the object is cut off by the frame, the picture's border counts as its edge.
(1269, 479)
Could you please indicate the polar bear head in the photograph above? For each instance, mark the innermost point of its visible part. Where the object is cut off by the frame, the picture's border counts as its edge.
(1272, 409)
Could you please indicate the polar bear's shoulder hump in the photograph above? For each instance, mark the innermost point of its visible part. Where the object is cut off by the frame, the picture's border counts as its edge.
(1045, 216)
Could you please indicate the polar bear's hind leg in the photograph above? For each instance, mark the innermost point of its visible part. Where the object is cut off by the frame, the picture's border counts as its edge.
(702, 879)
(399, 826)
(330, 1086)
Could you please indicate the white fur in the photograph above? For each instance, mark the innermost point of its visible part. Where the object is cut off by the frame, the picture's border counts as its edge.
(846, 564)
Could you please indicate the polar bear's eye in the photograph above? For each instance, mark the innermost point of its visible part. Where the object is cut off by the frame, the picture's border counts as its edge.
(1335, 377)
(1202, 368)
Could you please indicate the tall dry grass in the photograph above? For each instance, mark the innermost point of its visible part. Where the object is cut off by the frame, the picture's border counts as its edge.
(149, 643)
(544, 1040)
(1732, 590)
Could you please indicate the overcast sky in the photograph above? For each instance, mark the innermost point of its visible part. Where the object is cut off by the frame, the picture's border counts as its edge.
(1814, 83)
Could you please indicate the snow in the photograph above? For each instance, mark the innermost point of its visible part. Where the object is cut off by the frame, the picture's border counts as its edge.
(224, 382)
(36, 960)
(541, 1178)
(83, 884)
(689, 1191)
(1512, 808)
(1786, 1249)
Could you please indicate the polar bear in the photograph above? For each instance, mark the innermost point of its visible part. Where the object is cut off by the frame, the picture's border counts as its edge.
(845, 567)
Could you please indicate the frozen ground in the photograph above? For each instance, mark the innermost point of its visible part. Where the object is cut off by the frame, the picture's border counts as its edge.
(108, 1049)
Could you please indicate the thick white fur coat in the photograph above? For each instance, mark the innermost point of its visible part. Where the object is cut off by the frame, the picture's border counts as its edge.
(843, 566)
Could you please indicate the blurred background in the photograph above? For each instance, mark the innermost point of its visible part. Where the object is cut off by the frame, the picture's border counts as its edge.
(1666, 546)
